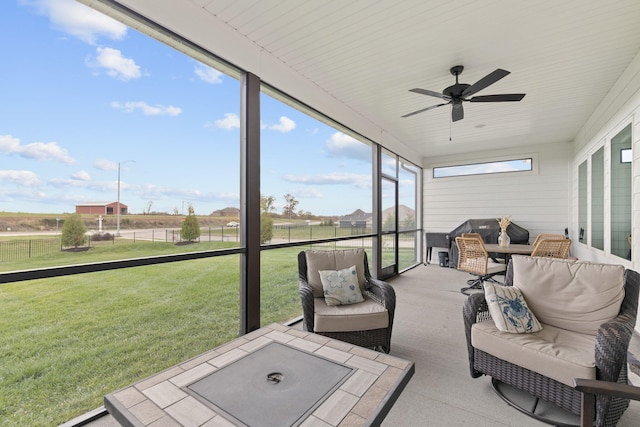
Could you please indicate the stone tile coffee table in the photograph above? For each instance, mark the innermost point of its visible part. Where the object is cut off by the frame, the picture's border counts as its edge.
(274, 376)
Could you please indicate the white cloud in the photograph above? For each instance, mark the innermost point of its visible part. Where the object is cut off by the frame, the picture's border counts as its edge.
(99, 186)
(81, 176)
(342, 145)
(310, 193)
(116, 65)
(230, 121)
(147, 110)
(79, 20)
(357, 180)
(22, 178)
(284, 125)
(105, 165)
(208, 74)
(35, 150)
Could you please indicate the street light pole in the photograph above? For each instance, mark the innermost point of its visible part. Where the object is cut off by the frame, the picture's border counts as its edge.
(118, 204)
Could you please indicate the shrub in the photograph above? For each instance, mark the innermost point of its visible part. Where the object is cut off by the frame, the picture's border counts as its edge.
(266, 227)
(190, 230)
(102, 236)
(73, 231)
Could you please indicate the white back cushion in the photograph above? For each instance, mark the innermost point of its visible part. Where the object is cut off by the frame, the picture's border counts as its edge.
(573, 295)
(333, 260)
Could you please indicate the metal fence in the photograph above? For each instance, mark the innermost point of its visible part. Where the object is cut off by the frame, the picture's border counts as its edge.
(15, 250)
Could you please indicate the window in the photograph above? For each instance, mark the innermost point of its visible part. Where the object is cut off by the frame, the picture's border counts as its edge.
(583, 191)
(621, 198)
(502, 166)
(317, 174)
(597, 199)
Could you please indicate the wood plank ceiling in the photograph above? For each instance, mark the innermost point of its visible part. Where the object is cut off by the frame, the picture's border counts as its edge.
(366, 55)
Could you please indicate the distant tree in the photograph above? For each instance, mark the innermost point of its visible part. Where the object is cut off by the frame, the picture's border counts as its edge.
(73, 231)
(290, 206)
(190, 230)
(176, 211)
(389, 223)
(409, 222)
(267, 203)
(266, 227)
(148, 208)
(328, 222)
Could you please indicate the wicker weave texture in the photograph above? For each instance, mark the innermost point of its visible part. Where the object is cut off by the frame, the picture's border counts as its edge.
(381, 291)
(552, 248)
(612, 343)
(472, 256)
(546, 236)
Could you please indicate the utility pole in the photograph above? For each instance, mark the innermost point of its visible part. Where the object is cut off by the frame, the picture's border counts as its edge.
(118, 204)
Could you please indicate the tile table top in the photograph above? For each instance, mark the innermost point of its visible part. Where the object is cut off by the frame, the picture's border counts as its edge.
(361, 397)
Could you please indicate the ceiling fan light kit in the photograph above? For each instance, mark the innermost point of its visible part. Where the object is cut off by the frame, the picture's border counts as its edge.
(459, 92)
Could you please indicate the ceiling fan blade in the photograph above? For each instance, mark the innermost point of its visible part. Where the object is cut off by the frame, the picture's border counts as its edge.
(430, 93)
(425, 109)
(498, 98)
(487, 80)
(457, 113)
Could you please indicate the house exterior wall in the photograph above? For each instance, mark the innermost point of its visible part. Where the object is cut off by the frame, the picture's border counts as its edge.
(620, 107)
(91, 209)
(104, 209)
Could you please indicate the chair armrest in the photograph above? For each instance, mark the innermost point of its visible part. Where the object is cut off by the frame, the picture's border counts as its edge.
(386, 295)
(383, 291)
(625, 391)
(603, 389)
(612, 338)
(612, 344)
(475, 309)
(308, 303)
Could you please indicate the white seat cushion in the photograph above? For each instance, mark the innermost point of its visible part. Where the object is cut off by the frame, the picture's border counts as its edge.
(495, 267)
(362, 316)
(474, 265)
(553, 352)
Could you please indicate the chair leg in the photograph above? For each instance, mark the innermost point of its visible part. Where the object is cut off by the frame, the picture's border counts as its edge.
(478, 281)
(473, 284)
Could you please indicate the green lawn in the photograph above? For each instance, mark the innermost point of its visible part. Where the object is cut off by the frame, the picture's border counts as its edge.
(108, 251)
(66, 342)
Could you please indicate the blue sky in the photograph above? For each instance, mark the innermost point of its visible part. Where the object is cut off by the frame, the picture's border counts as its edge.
(82, 93)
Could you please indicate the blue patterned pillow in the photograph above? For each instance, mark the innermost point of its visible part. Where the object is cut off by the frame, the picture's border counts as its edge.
(341, 286)
(509, 310)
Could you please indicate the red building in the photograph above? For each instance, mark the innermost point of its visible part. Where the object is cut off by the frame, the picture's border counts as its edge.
(102, 208)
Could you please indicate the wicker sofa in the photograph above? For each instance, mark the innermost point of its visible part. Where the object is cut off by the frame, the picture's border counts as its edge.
(545, 363)
(366, 324)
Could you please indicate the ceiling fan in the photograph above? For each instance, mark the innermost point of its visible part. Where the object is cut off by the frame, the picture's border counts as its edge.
(460, 92)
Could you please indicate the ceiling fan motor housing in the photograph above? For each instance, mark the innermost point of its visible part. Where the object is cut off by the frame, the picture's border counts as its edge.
(456, 90)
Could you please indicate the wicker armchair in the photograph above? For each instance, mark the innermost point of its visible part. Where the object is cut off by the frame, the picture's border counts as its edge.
(546, 236)
(552, 248)
(612, 342)
(349, 325)
(473, 258)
